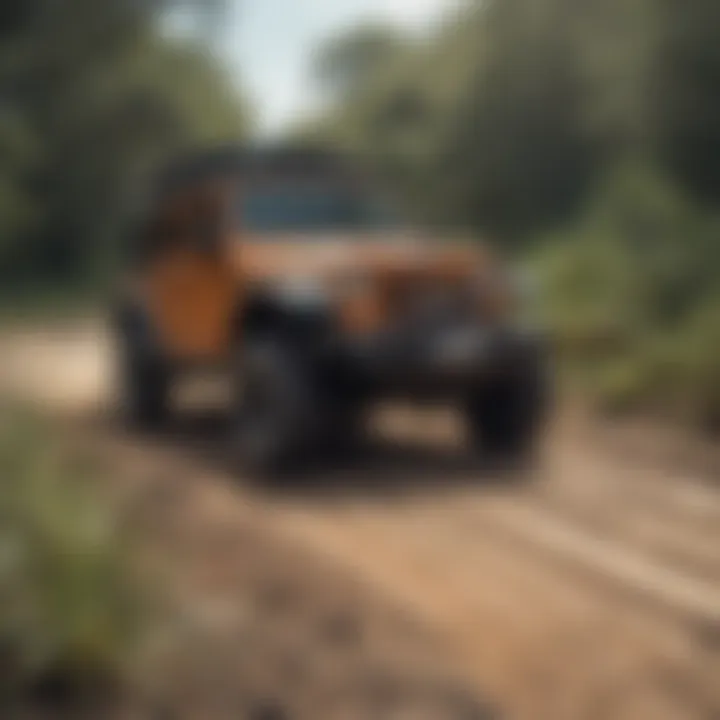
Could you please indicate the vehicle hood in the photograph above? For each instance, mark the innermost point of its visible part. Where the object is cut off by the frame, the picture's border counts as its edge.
(278, 257)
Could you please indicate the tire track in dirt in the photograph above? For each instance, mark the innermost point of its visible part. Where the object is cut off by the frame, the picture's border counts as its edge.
(519, 623)
(680, 546)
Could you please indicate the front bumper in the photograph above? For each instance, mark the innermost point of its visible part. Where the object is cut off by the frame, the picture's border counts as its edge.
(444, 361)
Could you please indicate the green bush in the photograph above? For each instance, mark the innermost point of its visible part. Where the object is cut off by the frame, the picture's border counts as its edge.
(69, 609)
(630, 292)
(700, 363)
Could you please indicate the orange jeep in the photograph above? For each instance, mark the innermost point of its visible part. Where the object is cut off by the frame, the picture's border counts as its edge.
(281, 267)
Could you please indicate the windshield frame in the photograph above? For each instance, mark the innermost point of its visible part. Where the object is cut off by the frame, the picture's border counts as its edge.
(375, 213)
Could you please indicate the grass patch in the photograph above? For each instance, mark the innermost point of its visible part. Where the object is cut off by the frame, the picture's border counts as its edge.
(70, 611)
(44, 303)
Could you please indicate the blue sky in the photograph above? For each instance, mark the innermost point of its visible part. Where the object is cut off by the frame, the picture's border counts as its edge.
(270, 42)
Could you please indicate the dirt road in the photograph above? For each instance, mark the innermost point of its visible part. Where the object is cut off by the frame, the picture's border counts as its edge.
(591, 592)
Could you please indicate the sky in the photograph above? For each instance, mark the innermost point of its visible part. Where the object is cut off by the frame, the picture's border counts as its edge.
(270, 43)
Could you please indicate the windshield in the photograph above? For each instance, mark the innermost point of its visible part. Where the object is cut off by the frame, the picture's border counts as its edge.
(304, 208)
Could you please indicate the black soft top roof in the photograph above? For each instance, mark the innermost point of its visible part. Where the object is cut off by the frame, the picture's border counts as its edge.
(246, 162)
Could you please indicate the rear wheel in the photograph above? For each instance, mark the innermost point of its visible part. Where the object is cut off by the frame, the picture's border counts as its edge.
(145, 390)
(144, 378)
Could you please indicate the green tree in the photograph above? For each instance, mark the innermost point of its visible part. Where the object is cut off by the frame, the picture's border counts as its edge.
(102, 93)
(686, 93)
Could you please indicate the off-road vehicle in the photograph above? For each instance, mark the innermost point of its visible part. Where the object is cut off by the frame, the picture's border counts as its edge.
(283, 268)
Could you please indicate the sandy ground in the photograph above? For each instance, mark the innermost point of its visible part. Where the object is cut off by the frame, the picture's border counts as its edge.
(591, 591)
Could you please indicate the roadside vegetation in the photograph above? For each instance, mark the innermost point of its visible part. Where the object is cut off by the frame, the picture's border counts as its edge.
(71, 614)
(631, 291)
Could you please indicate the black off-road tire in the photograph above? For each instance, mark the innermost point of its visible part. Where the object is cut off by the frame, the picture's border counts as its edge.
(143, 377)
(507, 415)
(277, 415)
(343, 431)
(145, 391)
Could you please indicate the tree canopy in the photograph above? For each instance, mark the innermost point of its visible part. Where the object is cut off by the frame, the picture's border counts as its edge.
(513, 112)
(92, 93)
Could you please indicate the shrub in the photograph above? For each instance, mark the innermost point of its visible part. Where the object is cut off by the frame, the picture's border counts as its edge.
(630, 292)
(69, 610)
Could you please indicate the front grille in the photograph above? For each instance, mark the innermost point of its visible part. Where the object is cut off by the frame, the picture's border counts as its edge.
(438, 305)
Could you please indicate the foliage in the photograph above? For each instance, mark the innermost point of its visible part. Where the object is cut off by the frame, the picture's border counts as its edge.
(632, 306)
(69, 609)
(92, 94)
(348, 63)
(684, 93)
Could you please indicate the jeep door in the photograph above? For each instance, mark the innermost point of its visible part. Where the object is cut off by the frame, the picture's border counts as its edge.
(191, 283)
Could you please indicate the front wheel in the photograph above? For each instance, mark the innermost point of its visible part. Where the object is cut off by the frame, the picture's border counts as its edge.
(507, 414)
(275, 415)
